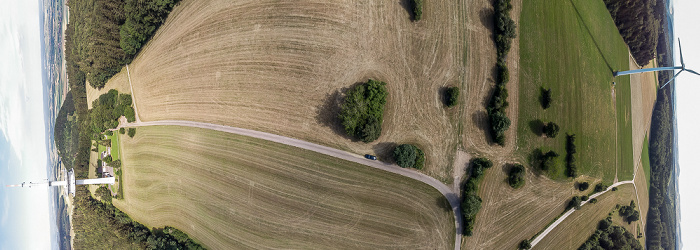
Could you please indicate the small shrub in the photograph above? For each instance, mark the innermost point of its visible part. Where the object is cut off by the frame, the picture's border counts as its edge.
(614, 189)
(524, 245)
(546, 98)
(600, 187)
(584, 198)
(452, 96)
(516, 176)
(583, 186)
(132, 132)
(551, 130)
(417, 9)
(122, 131)
(593, 201)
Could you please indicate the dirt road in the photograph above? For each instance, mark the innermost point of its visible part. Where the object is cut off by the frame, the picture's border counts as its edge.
(451, 196)
(571, 211)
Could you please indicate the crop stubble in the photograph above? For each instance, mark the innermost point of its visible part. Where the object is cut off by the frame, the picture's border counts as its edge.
(281, 67)
(229, 191)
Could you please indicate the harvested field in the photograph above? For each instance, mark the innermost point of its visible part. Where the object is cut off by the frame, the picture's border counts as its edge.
(576, 229)
(481, 79)
(229, 191)
(282, 67)
(573, 47)
(509, 215)
(643, 99)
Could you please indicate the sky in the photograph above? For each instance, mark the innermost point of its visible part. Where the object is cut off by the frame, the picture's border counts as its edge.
(688, 118)
(24, 213)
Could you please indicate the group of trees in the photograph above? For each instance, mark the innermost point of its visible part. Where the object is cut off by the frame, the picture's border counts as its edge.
(638, 22)
(629, 213)
(451, 96)
(600, 187)
(583, 186)
(546, 161)
(362, 112)
(103, 35)
(516, 176)
(571, 169)
(551, 130)
(611, 237)
(107, 109)
(409, 156)
(504, 34)
(575, 202)
(471, 202)
(100, 225)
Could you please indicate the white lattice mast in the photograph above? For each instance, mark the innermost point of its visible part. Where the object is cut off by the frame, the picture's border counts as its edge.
(682, 68)
(69, 182)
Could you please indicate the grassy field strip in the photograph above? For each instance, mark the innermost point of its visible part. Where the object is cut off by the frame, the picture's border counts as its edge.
(573, 47)
(571, 211)
(232, 191)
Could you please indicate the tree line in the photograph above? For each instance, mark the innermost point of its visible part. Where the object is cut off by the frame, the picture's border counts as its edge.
(471, 202)
(638, 22)
(503, 34)
(100, 225)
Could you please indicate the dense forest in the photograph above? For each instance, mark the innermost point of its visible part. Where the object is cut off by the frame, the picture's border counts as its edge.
(65, 131)
(106, 34)
(661, 217)
(639, 23)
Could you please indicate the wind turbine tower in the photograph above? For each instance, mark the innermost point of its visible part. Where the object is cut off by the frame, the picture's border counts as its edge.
(69, 182)
(682, 68)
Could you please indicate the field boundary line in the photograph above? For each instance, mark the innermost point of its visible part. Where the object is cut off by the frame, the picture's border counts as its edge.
(450, 195)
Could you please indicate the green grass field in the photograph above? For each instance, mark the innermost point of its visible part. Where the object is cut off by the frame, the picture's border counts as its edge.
(231, 192)
(573, 47)
(645, 161)
(115, 145)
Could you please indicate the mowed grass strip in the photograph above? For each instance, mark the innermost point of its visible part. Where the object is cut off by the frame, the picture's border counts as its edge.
(573, 47)
(575, 229)
(230, 192)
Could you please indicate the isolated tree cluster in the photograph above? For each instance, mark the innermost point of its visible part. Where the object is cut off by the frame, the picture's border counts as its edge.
(551, 129)
(546, 161)
(362, 112)
(132, 132)
(452, 96)
(575, 203)
(471, 203)
(516, 176)
(409, 156)
(629, 213)
(583, 186)
(600, 187)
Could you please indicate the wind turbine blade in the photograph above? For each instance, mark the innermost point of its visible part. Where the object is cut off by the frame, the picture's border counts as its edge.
(692, 72)
(680, 51)
(674, 77)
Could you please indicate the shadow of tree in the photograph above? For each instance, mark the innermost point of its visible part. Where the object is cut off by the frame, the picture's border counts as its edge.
(536, 126)
(408, 6)
(385, 151)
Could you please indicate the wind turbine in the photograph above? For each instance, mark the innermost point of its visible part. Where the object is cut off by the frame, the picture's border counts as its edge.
(682, 68)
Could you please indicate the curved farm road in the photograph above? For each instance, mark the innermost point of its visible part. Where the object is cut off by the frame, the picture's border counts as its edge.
(451, 196)
(571, 211)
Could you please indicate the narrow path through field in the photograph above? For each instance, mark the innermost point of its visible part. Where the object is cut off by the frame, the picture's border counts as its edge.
(571, 211)
(451, 196)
